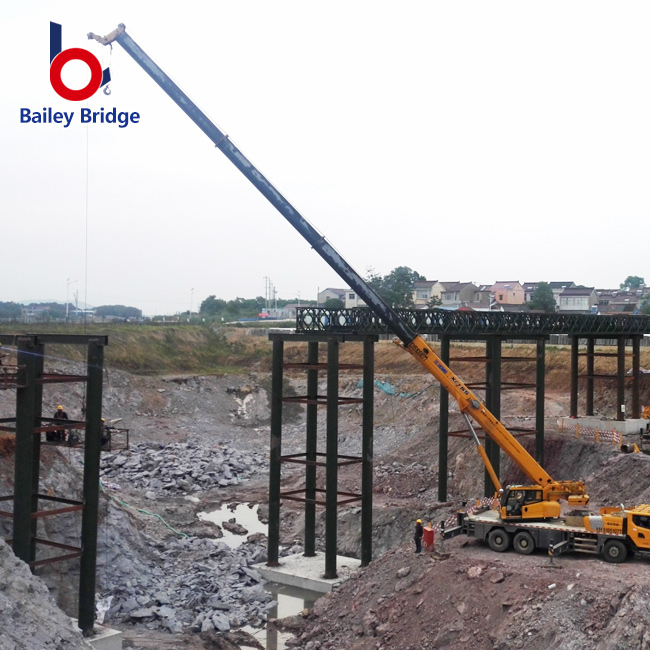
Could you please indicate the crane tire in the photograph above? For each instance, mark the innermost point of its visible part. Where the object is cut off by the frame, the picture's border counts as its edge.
(523, 543)
(498, 540)
(615, 551)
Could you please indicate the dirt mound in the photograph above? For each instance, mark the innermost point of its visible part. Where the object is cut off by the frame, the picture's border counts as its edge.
(475, 599)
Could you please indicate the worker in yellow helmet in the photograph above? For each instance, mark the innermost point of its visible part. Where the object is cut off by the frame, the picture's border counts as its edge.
(417, 536)
(60, 414)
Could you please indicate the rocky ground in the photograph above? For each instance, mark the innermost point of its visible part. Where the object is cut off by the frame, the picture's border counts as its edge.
(165, 578)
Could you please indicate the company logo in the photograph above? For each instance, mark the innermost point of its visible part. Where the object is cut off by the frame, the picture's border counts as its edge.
(59, 57)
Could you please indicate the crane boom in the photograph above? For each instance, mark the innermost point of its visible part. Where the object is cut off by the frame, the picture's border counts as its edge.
(468, 403)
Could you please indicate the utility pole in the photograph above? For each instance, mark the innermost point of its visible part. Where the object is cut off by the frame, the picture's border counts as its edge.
(67, 297)
(191, 302)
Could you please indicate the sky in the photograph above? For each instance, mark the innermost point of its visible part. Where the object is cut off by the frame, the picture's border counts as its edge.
(472, 141)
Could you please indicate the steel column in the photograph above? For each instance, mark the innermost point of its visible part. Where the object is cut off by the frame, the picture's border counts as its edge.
(92, 450)
(39, 356)
(311, 449)
(275, 453)
(493, 403)
(331, 479)
(443, 432)
(367, 451)
(620, 381)
(636, 377)
(24, 458)
(590, 376)
(540, 395)
(573, 409)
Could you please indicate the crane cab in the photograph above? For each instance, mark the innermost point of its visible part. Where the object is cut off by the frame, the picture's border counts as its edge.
(526, 502)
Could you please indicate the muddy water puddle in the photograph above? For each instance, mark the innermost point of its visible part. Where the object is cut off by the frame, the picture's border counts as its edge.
(289, 600)
(244, 514)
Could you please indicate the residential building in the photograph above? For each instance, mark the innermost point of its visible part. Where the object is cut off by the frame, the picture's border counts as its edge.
(508, 293)
(456, 294)
(582, 300)
(352, 299)
(424, 291)
(556, 287)
(330, 294)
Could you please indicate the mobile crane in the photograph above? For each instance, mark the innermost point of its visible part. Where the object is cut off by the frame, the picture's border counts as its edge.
(537, 502)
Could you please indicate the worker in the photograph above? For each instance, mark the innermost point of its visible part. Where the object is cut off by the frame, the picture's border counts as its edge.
(60, 414)
(105, 434)
(417, 536)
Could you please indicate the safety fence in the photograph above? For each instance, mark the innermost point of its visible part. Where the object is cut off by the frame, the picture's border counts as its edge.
(588, 433)
(452, 519)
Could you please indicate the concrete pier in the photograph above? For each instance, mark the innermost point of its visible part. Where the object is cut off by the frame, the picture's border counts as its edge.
(307, 572)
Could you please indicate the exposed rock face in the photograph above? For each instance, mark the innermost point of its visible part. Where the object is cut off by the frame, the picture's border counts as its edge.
(29, 617)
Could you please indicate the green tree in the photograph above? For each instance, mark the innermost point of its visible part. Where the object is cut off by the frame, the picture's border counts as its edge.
(10, 311)
(632, 282)
(334, 303)
(396, 288)
(543, 299)
(212, 306)
(644, 307)
(119, 311)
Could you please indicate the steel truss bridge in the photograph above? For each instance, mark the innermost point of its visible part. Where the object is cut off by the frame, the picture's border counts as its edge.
(473, 323)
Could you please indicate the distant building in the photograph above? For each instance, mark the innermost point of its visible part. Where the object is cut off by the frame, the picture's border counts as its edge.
(352, 299)
(457, 294)
(556, 287)
(581, 300)
(330, 294)
(424, 291)
(508, 293)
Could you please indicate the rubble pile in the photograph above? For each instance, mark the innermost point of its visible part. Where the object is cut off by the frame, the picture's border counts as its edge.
(195, 583)
(179, 468)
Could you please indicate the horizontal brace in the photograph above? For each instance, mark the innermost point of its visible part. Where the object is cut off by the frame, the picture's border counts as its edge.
(55, 511)
(47, 542)
(52, 560)
(52, 378)
(47, 497)
(301, 459)
(322, 366)
(291, 496)
(321, 399)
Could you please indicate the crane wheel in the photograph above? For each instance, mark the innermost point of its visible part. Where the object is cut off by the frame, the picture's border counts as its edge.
(523, 543)
(615, 552)
(498, 540)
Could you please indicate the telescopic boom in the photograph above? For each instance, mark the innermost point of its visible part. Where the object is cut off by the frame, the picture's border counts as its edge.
(468, 403)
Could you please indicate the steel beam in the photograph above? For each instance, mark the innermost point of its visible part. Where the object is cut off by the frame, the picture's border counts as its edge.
(620, 382)
(275, 453)
(573, 406)
(332, 449)
(92, 450)
(493, 403)
(443, 430)
(590, 377)
(311, 449)
(540, 394)
(636, 377)
(24, 458)
(367, 426)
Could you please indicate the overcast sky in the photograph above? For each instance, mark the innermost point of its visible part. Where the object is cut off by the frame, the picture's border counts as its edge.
(472, 141)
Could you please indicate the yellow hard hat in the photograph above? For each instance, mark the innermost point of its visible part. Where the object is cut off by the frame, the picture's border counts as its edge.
(103, 420)
(419, 521)
(59, 408)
